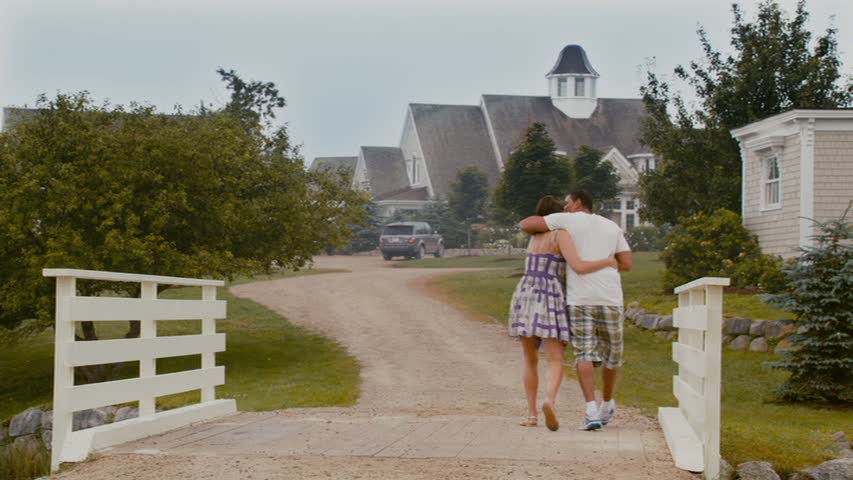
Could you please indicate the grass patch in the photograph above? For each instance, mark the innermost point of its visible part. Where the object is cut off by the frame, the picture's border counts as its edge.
(641, 284)
(754, 427)
(270, 363)
(464, 262)
(23, 463)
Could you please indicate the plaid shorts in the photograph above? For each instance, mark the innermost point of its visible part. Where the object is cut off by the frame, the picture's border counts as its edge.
(597, 334)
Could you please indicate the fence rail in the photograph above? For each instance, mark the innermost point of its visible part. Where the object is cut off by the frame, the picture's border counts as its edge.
(692, 429)
(68, 445)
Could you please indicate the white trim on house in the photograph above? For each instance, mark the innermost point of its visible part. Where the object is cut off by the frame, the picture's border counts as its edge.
(423, 157)
(807, 134)
(498, 157)
(772, 123)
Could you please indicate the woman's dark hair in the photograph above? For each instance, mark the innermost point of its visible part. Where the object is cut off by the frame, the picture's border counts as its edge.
(548, 205)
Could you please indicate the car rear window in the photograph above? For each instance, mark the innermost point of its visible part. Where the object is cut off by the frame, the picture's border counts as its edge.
(397, 230)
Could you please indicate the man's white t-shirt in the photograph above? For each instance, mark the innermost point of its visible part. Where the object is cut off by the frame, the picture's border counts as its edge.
(596, 238)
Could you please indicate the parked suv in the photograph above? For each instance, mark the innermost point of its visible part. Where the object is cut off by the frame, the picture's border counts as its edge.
(410, 240)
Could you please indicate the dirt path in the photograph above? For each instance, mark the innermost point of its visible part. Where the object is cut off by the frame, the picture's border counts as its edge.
(440, 397)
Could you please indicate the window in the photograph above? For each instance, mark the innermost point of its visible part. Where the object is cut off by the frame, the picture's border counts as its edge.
(397, 230)
(629, 204)
(772, 183)
(562, 87)
(415, 170)
(579, 87)
(613, 205)
(629, 221)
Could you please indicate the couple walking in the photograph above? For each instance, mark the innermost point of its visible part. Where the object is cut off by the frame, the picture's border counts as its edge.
(565, 297)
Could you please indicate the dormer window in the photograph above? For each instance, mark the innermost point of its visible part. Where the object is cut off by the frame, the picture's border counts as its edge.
(579, 87)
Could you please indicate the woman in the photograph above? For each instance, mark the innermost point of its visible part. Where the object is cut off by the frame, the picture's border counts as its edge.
(538, 309)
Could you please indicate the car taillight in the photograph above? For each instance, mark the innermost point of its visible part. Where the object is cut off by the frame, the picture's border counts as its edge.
(413, 240)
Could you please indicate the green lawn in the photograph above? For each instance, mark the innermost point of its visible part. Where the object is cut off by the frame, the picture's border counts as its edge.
(754, 426)
(642, 284)
(270, 363)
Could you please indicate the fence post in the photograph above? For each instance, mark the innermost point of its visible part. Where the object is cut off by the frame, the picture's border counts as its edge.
(148, 367)
(713, 380)
(63, 376)
(208, 327)
(692, 429)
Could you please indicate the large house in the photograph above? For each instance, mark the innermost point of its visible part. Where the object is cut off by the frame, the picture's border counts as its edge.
(797, 167)
(439, 140)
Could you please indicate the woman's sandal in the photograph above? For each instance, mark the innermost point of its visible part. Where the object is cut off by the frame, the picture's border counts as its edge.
(531, 421)
(550, 417)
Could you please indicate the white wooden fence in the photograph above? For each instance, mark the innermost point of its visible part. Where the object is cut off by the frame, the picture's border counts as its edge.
(69, 446)
(692, 429)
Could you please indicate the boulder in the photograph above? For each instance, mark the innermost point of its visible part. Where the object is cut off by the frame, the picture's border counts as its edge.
(757, 471)
(727, 339)
(47, 437)
(88, 418)
(785, 346)
(648, 321)
(26, 423)
(839, 469)
(777, 329)
(633, 312)
(671, 335)
(726, 470)
(759, 345)
(741, 342)
(47, 420)
(736, 326)
(756, 328)
(125, 413)
(665, 323)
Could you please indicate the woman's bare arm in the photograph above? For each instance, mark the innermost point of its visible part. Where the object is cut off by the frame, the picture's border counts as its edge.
(570, 253)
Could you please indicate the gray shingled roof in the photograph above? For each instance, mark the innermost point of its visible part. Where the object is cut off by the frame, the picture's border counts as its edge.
(453, 137)
(408, 193)
(615, 122)
(325, 163)
(573, 60)
(386, 169)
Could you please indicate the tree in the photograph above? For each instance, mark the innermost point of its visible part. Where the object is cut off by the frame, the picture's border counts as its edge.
(775, 67)
(365, 237)
(532, 170)
(820, 293)
(468, 197)
(598, 178)
(130, 189)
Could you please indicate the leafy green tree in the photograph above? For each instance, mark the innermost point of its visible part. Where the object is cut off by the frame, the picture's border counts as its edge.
(775, 66)
(532, 170)
(820, 294)
(129, 189)
(468, 197)
(438, 215)
(598, 178)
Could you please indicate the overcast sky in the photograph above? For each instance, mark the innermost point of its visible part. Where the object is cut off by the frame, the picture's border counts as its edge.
(348, 68)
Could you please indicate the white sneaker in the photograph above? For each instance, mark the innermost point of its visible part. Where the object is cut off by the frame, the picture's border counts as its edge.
(606, 413)
(591, 423)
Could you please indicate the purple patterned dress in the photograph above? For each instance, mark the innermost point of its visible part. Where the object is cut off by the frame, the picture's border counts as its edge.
(538, 307)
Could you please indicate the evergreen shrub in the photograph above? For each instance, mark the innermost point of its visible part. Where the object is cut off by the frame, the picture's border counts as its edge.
(820, 294)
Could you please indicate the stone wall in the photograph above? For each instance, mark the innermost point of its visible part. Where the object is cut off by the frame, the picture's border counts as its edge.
(738, 333)
(33, 428)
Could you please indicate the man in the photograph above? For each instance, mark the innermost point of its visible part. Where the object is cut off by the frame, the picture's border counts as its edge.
(594, 300)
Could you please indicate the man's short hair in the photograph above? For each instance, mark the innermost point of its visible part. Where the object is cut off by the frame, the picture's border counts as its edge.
(584, 197)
